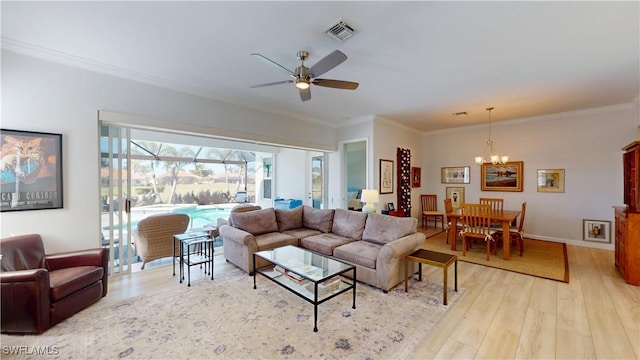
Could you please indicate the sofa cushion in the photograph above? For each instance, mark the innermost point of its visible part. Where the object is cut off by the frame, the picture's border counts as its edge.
(324, 243)
(317, 219)
(67, 281)
(273, 240)
(381, 229)
(302, 232)
(349, 223)
(255, 222)
(361, 253)
(240, 208)
(289, 218)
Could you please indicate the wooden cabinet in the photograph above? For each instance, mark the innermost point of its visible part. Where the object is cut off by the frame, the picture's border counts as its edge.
(631, 165)
(627, 219)
(627, 244)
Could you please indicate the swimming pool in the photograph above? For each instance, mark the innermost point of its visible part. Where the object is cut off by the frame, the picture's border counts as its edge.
(200, 215)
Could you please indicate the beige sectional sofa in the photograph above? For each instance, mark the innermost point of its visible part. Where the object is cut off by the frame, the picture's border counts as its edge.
(376, 244)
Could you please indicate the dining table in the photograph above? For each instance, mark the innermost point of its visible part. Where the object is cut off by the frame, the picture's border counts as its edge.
(504, 217)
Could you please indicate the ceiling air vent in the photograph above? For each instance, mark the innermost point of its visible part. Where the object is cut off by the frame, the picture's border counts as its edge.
(340, 31)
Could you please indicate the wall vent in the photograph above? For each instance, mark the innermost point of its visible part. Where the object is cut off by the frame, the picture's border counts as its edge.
(340, 31)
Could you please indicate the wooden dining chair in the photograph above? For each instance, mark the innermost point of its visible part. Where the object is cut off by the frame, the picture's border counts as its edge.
(515, 232)
(430, 210)
(496, 204)
(457, 227)
(476, 224)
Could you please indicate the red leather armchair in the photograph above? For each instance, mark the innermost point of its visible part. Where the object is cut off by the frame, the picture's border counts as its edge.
(38, 291)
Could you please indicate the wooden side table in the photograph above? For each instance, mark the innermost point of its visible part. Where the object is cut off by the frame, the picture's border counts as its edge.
(423, 256)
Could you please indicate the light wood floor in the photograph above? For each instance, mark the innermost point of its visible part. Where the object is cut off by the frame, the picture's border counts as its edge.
(504, 315)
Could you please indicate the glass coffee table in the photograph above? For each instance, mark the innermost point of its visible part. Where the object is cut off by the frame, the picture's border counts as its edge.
(312, 276)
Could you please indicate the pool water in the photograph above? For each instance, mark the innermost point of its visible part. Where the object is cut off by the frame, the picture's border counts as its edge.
(199, 215)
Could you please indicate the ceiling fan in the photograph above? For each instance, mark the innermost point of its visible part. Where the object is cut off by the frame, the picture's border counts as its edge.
(303, 76)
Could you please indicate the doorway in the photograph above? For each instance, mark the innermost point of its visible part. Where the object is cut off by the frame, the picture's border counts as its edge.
(355, 170)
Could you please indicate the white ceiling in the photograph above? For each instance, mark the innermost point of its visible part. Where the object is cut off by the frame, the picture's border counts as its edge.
(417, 62)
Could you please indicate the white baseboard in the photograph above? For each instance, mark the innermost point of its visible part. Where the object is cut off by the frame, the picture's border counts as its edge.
(589, 244)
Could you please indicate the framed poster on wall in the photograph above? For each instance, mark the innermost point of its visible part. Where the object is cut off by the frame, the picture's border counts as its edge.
(502, 177)
(31, 173)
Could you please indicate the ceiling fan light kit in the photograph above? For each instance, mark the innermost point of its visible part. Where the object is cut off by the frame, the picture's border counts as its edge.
(303, 76)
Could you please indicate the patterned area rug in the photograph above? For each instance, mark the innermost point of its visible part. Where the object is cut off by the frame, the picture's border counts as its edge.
(227, 318)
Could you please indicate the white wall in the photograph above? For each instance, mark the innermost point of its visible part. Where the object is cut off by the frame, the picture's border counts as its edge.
(291, 170)
(44, 96)
(389, 137)
(585, 143)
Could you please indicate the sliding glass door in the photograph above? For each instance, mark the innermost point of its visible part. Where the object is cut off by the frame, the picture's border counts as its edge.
(317, 181)
(115, 187)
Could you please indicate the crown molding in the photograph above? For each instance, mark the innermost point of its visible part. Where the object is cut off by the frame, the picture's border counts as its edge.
(63, 58)
(96, 66)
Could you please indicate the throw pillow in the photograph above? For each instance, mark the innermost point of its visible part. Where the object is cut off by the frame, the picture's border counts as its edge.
(381, 229)
(349, 223)
(256, 222)
(289, 219)
(317, 219)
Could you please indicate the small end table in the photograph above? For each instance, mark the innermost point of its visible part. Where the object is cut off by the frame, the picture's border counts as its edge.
(196, 248)
(434, 258)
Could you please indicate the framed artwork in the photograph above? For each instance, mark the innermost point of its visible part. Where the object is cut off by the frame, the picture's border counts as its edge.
(551, 180)
(386, 176)
(596, 230)
(456, 194)
(505, 177)
(455, 175)
(416, 177)
(391, 207)
(31, 173)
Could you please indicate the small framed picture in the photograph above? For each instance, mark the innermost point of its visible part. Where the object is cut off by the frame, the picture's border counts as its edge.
(551, 180)
(386, 176)
(597, 230)
(456, 194)
(415, 177)
(455, 175)
(391, 207)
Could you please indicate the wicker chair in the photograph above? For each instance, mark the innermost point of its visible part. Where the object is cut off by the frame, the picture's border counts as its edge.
(154, 237)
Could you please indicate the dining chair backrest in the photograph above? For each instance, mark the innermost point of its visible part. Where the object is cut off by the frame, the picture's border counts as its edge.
(475, 219)
(448, 206)
(496, 204)
(522, 212)
(429, 202)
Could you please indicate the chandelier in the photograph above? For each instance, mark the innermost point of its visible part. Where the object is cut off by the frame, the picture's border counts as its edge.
(490, 155)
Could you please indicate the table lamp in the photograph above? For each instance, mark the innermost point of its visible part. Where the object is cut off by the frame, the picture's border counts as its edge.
(370, 197)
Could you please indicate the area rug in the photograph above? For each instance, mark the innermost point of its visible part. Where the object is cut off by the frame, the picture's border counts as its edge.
(226, 318)
(543, 259)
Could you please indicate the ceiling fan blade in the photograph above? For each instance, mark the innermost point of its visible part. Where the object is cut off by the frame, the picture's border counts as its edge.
(273, 63)
(338, 84)
(327, 63)
(305, 94)
(271, 83)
